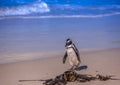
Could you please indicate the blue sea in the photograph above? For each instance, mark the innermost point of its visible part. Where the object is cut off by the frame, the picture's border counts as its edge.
(59, 8)
(35, 29)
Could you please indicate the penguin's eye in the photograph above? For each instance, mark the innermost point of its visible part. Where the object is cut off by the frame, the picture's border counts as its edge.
(69, 42)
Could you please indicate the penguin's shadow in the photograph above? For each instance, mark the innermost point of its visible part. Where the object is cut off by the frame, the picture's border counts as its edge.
(81, 68)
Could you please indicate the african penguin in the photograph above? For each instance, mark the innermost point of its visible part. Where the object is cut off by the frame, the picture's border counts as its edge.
(72, 53)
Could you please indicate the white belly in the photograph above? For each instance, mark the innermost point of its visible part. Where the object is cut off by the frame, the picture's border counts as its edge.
(73, 60)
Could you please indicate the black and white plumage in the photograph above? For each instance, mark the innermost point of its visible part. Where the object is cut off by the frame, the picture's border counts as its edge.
(72, 53)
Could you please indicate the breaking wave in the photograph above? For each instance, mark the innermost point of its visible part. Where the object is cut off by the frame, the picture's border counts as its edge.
(37, 7)
(58, 8)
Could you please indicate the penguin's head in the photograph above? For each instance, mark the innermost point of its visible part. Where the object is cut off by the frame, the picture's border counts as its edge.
(68, 42)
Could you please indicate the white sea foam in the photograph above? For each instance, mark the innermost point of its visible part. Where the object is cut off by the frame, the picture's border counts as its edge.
(38, 7)
(72, 16)
(63, 16)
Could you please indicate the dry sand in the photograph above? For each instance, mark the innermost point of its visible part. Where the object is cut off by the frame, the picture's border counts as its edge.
(105, 62)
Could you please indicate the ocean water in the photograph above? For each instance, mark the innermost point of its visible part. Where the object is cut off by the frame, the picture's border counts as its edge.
(59, 8)
(35, 29)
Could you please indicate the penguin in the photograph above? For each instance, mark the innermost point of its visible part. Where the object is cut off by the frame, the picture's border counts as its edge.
(72, 53)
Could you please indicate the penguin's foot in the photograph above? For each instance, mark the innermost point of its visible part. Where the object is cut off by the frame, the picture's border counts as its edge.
(72, 68)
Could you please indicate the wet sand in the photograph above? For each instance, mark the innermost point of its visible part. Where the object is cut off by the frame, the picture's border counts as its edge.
(106, 62)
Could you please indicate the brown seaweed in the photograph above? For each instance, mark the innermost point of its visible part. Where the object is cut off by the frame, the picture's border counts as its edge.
(72, 76)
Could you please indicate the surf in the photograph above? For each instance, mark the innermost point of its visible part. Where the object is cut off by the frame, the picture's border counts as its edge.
(58, 8)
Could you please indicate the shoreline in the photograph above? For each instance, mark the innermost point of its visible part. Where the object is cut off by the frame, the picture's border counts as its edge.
(104, 62)
(57, 16)
(29, 56)
(32, 39)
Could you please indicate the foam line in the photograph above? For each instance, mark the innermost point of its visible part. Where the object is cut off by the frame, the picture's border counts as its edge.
(62, 16)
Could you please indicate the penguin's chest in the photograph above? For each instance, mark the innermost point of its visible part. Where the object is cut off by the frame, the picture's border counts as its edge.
(72, 56)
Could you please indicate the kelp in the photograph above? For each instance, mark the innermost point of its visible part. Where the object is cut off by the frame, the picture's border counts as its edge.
(72, 76)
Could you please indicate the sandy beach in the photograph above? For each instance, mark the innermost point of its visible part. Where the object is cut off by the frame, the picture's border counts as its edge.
(104, 62)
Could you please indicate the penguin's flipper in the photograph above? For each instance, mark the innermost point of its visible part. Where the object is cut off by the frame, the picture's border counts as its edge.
(77, 52)
(65, 57)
